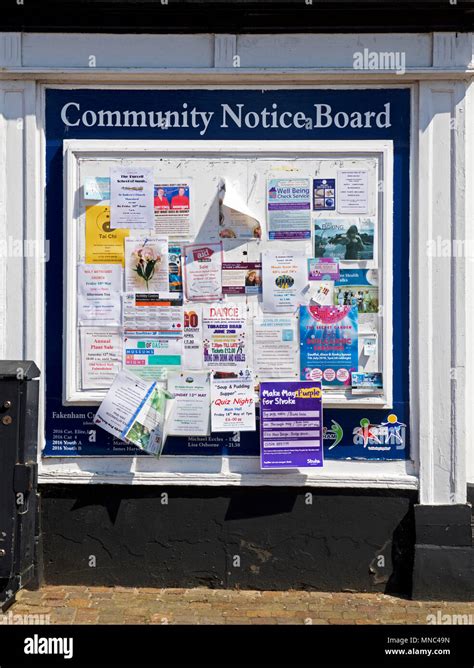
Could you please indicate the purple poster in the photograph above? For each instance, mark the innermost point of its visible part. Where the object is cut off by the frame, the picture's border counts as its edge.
(291, 418)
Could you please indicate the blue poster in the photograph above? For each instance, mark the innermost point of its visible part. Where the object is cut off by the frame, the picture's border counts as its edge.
(328, 344)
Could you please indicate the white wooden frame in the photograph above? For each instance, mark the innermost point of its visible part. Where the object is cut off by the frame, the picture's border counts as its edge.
(439, 65)
(75, 150)
(346, 474)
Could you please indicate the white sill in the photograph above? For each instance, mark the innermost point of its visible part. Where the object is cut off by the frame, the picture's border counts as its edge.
(224, 471)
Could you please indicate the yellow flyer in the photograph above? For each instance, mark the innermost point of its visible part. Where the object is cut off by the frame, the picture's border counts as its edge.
(104, 245)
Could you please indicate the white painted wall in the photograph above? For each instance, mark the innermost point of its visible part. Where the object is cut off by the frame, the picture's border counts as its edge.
(439, 67)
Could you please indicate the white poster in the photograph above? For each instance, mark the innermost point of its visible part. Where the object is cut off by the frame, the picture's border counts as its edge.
(352, 191)
(131, 198)
(224, 333)
(190, 411)
(232, 404)
(101, 356)
(275, 347)
(98, 294)
(284, 277)
(236, 220)
(146, 265)
(203, 271)
(192, 356)
(172, 203)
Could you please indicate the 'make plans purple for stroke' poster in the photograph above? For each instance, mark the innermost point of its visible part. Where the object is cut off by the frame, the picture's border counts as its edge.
(291, 423)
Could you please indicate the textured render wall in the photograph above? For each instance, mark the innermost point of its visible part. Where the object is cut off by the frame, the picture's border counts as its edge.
(360, 541)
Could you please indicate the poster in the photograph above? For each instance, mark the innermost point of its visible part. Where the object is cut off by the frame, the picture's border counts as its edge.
(275, 347)
(150, 354)
(203, 271)
(236, 220)
(352, 191)
(232, 404)
(146, 264)
(101, 356)
(224, 336)
(328, 344)
(151, 311)
(324, 194)
(358, 287)
(284, 278)
(291, 425)
(323, 269)
(190, 410)
(104, 245)
(172, 205)
(131, 198)
(289, 209)
(344, 238)
(192, 354)
(241, 278)
(98, 294)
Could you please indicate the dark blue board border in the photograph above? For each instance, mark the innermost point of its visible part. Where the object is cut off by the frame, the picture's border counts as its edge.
(355, 424)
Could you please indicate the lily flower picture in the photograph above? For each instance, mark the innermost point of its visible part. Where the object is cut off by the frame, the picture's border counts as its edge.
(145, 259)
(146, 264)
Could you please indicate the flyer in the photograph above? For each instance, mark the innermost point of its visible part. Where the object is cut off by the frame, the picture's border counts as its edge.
(358, 287)
(172, 205)
(284, 278)
(131, 198)
(241, 278)
(352, 191)
(104, 245)
(101, 356)
(289, 209)
(97, 188)
(232, 404)
(193, 355)
(324, 194)
(151, 311)
(328, 344)
(291, 425)
(123, 403)
(236, 220)
(344, 238)
(363, 383)
(98, 294)
(190, 411)
(323, 269)
(150, 354)
(203, 271)
(275, 347)
(321, 293)
(224, 336)
(174, 265)
(146, 264)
